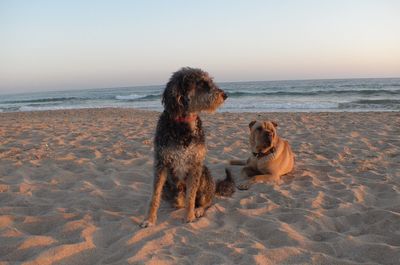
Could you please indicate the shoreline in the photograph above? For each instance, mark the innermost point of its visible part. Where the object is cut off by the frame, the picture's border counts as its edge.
(75, 185)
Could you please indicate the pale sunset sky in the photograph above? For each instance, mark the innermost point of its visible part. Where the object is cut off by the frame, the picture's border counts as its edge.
(75, 44)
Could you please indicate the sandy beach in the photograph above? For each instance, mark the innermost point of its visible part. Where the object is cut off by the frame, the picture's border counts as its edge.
(75, 184)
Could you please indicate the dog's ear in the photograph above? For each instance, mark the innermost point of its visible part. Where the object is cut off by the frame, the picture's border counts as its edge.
(172, 99)
(251, 124)
(274, 123)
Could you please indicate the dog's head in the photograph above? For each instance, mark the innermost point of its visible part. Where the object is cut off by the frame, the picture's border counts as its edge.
(191, 90)
(263, 136)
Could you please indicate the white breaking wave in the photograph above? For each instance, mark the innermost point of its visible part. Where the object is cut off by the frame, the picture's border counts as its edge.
(130, 97)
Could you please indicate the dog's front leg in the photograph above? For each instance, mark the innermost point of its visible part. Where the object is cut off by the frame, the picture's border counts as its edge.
(246, 172)
(264, 178)
(191, 192)
(159, 181)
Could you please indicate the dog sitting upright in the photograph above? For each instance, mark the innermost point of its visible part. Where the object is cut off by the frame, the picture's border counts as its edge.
(179, 145)
(271, 157)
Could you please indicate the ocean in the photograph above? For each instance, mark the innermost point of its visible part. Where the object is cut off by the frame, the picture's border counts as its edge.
(354, 95)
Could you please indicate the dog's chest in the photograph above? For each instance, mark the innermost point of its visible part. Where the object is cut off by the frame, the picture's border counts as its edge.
(182, 160)
(262, 164)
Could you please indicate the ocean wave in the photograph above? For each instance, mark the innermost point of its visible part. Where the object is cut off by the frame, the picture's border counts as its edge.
(129, 97)
(365, 92)
(377, 101)
(136, 97)
(330, 95)
(9, 109)
(391, 104)
(280, 105)
(375, 85)
(45, 108)
(42, 100)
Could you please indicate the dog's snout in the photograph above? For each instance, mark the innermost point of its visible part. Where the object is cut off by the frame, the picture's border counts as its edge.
(267, 137)
(222, 93)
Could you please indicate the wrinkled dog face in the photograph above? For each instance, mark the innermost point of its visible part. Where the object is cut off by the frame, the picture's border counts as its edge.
(205, 95)
(262, 135)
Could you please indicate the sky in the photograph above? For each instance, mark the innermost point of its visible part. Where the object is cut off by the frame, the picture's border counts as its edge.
(74, 44)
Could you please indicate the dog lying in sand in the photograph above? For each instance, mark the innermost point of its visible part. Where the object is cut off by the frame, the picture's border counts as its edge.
(179, 146)
(271, 158)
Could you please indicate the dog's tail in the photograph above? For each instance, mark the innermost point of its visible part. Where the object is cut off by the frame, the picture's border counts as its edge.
(226, 187)
(237, 162)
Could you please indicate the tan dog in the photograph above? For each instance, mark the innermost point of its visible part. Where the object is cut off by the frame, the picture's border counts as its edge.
(271, 156)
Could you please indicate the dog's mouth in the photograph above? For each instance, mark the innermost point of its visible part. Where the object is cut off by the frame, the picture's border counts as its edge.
(222, 97)
(219, 100)
(264, 151)
(264, 148)
(265, 143)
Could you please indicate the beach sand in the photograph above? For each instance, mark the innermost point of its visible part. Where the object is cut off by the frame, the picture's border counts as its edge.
(75, 184)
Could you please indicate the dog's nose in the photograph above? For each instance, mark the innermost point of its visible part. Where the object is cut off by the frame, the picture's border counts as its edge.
(224, 95)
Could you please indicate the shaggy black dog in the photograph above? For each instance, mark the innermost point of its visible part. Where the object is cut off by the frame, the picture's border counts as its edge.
(179, 146)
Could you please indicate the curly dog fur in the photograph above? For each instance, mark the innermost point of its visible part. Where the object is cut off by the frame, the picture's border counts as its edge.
(179, 145)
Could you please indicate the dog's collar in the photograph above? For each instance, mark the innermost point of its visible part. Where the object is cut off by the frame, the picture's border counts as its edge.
(262, 154)
(187, 119)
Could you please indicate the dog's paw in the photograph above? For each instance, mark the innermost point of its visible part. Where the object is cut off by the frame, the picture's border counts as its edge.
(243, 186)
(146, 223)
(199, 212)
(190, 218)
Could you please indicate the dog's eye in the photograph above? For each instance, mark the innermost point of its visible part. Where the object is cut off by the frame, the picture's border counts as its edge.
(205, 86)
(202, 84)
